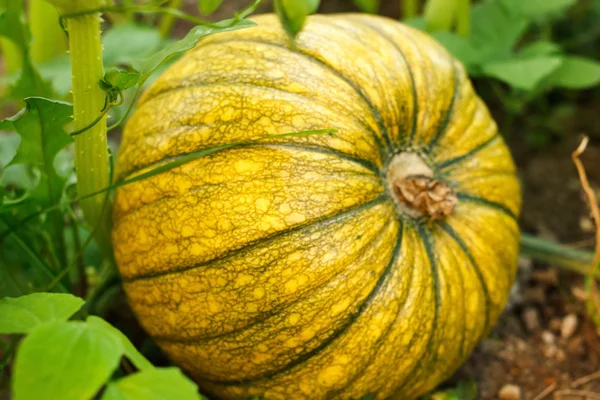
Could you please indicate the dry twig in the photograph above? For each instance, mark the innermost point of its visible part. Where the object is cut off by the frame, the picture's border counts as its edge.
(593, 296)
(585, 379)
(546, 392)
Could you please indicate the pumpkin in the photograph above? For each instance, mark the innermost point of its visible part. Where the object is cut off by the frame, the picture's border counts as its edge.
(367, 262)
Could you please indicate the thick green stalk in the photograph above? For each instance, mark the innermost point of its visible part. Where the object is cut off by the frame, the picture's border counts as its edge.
(49, 40)
(166, 23)
(410, 8)
(91, 150)
(463, 17)
(439, 14)
(558, 255)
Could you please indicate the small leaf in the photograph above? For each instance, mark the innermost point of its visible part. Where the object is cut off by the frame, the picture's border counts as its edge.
(22, 314)
(368, 6)
(41, 127)
(119, 79)
(523, 74)
(293, 13)
(146, 66)
(465, 390)
(539, 48)
(535, 8)
(576, 73)
(207, 7)
(155, 384)
(65, 361)
(129, 350)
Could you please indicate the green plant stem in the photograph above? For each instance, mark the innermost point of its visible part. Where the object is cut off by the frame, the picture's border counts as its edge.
(166, 23)
(91, 149)
(558, 255)
(11, 55)
(463, 17)
(49, 40)
(410, 8)
(439, 14)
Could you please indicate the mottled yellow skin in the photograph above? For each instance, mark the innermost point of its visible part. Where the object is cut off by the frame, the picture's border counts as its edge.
(284, 269)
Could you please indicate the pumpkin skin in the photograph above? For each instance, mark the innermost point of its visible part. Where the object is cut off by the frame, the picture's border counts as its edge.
(286, 269)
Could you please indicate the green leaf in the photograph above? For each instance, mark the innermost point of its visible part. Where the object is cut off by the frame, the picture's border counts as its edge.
(576, 73)
(368, 6)
(207, 7)
(127, 42)
(523, 74)
(535, 8)
(494, 32)
(155, 384)
(13, 26)
(22, 314)
(146, 66)
(465, 390)
(118, 79)
(10, 144)
(293, 13)
(539, 48)
(459, 47)
(129, 350)
(41, 127)
(65, 361)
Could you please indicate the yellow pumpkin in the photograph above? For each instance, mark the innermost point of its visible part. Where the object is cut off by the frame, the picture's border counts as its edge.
(365, 262)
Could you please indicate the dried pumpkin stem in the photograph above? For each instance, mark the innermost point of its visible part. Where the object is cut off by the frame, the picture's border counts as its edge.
(415, 190)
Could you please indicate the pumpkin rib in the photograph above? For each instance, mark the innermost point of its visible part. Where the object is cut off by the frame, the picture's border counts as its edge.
(425, 239)
(471, 153)
(379, 343)
(456, 237)
(410, 73)
(444, 125)
(271, 313)
(206, 84)
(330, 218)
(488, 203)
(317, 149)
(339, 75)
(337, 333)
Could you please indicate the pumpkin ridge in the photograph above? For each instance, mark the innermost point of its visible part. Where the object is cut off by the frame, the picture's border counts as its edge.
(456, 237)
(426, 238)
(384, 35)
(380, 341)
(468, 154)
(444, 125)
(231, 253)
(257, 143)
(337, 333)
(339, 75)
(485, 202)
(271, 313)
(158, 94)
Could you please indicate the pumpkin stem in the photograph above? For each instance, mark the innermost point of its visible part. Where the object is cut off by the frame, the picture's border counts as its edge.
(415, 190)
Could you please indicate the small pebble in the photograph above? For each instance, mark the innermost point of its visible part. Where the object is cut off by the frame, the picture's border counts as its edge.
(548, 337)
(531, 319)
(555, 324)
(569, 326)
(550, 351)
(510, 392)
